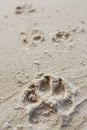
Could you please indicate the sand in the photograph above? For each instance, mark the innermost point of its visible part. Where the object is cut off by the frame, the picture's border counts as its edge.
(43, 63)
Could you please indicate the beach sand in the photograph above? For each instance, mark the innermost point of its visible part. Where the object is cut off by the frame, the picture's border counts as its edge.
(43, 65)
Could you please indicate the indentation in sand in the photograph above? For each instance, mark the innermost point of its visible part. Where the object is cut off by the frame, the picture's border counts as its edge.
(37, 35)
(25, 8)
(53, 101)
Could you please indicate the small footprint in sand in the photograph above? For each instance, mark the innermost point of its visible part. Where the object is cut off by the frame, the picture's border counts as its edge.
(24, 9)
(53, 98)
(37, 35)
(60, 36)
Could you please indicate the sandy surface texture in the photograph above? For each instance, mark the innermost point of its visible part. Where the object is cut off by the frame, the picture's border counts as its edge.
(43, 64)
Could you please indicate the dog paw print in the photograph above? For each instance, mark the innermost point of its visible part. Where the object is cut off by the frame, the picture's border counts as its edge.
(52, 98)
(60, 36)
(25, 8)
(35, 36)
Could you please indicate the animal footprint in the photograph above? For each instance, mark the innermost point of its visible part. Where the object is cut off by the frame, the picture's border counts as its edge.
(24, 9)
(60, 36)
(55, 98)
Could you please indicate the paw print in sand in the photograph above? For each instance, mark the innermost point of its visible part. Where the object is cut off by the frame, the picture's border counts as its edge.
(60, 36)
(24, 9)
(53, 101)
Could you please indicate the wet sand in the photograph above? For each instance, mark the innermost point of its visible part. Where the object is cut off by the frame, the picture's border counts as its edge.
(43, 63)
